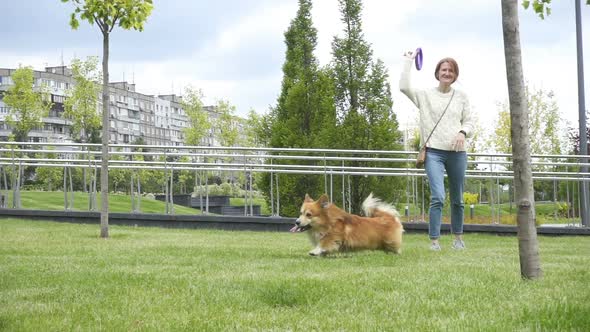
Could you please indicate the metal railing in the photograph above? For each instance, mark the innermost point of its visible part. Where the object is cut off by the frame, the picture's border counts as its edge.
(494, 169)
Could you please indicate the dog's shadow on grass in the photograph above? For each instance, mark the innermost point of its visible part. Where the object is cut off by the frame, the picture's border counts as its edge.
(345, 255)
(333, 256)
(284, 294)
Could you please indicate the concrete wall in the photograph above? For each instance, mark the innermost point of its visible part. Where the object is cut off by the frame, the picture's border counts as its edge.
(243, 223)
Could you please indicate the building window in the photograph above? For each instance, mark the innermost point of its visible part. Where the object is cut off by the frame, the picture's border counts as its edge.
(58, 99)
(5, 80)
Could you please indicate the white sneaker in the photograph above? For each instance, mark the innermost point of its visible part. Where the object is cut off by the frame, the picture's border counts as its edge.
(435, 247)
(459, 245)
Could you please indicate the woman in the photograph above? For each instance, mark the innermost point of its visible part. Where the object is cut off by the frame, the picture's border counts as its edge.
(445, 149)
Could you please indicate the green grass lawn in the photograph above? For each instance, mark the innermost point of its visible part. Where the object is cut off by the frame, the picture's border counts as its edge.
(54, 200)
(62, 277)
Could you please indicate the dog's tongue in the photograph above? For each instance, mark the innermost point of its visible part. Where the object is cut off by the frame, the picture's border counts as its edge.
(294, 229)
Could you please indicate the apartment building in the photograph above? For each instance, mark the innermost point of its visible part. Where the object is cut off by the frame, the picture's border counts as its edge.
(157, 120)
(55, 128)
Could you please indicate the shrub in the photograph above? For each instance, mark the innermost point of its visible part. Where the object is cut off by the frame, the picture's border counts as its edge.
(215, 190)
(562, 208)
(226, 189)
(470, 198)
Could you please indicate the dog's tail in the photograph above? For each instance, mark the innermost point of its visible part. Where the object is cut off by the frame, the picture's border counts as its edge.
(373, 206)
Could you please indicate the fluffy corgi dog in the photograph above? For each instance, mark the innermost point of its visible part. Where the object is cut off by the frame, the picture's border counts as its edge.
(332, 229)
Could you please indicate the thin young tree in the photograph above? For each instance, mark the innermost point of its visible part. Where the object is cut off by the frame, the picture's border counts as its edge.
(81, 104)
(225, 124)
(107, 14)
(226, 127)
(256, 130)
(28, 103)
(530, 265)
(198, 127)
(198, 120)
(81, 101)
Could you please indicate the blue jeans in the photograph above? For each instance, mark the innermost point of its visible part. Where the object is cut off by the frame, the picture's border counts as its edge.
(455, 163)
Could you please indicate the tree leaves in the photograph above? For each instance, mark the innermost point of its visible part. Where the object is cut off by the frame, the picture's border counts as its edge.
(27, 106)
(541, 7)
(198, 121)
(81, 103)
(128, 14)
(225, 125)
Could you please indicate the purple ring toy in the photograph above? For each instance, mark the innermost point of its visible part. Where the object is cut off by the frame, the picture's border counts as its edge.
(418, 58)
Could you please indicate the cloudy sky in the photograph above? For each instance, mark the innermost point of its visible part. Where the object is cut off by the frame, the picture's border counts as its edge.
(234, 49)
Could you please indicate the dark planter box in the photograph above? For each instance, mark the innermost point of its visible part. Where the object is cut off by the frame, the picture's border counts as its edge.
(181, 199)
(234, 210)
(213, 201)
(217, 204)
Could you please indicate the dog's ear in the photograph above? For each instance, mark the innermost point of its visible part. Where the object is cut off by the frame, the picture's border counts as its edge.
(324, 201)
(308, 198)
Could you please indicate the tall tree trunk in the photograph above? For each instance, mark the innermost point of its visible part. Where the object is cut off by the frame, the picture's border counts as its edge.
(528, 248)
(104, 169)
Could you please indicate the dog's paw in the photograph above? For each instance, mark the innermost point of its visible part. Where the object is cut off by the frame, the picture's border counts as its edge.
(317, 252)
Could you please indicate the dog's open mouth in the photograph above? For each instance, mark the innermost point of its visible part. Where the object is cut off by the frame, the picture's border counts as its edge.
(298, 228)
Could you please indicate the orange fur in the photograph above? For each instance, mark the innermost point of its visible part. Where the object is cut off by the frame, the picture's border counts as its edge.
(332, 229)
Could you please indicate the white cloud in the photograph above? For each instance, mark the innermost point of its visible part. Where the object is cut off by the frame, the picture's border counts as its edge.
(241, 59)
(264, 23)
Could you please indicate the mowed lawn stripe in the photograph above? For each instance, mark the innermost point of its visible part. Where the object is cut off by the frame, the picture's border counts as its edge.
(59, 276)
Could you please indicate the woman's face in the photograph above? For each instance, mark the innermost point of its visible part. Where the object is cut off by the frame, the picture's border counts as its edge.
(446, 75)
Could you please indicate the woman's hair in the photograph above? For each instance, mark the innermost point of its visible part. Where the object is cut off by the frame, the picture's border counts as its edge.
(451, 62)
